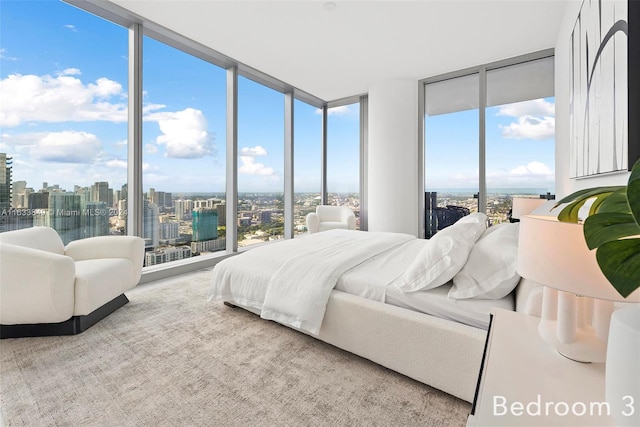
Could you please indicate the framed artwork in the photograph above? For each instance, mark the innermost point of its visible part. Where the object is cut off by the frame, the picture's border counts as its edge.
(604, 121)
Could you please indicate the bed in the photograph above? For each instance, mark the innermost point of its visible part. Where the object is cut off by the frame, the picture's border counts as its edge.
(418, 307)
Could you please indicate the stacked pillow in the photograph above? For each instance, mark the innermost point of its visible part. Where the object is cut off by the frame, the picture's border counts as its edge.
(490, 271)
(444, 255)
(481, 262)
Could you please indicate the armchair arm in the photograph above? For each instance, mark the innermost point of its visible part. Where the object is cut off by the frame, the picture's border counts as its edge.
(35, 286)
(130, 247)
(349, 218)
(313, 222)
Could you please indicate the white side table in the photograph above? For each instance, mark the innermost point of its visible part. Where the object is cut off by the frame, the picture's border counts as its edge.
(524, 382)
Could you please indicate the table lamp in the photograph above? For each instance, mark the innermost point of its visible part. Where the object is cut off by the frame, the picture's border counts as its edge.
(577, 299)
(524, 205)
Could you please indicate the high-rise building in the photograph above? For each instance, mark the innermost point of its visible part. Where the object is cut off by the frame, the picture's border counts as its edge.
(18, 190)
(265, 217)
(100, 192)
(5, 181)
(95, 219)
(204, 224)
(64, 215)
(222, 214)
(151, 225)
(169, 230)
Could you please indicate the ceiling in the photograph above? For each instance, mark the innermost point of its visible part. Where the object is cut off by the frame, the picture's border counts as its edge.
(338, 49)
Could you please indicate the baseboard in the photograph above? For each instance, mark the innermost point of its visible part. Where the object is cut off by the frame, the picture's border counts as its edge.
(72, 326)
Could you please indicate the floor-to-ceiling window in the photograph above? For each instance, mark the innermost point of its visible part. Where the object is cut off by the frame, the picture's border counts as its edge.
(519, 134)
(489, 137)
(260, 163)
(63, 113)
(183, 154)
(67, 135)
(307, 168)
(343, 157)
(451, 151)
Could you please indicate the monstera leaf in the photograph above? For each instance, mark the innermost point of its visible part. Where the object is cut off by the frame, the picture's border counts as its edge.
(612, 228)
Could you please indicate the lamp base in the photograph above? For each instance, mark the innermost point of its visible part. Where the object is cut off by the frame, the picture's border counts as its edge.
(586, 348)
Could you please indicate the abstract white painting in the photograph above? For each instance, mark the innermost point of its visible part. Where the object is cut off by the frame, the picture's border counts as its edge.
(599, 128)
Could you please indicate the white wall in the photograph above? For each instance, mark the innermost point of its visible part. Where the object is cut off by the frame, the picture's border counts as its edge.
(564, 184)
(393, 156)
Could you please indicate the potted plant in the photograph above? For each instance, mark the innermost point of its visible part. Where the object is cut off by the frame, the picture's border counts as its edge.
(612, 228)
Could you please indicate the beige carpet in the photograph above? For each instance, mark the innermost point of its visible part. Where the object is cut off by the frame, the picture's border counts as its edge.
(169, 357)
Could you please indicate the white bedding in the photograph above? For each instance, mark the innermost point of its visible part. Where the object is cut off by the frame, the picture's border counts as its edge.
(290, 281)
(257, 279)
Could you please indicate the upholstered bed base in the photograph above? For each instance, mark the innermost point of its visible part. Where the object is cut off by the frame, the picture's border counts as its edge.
(441, 353)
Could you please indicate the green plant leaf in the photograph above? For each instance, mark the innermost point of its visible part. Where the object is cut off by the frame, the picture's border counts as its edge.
(616, 202)
(620, 263)
(577, 199)
(606, 227)
(633, 192)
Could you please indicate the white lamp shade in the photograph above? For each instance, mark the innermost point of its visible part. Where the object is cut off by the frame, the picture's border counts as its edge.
(524, 206)
(622, 378)
(555, 254)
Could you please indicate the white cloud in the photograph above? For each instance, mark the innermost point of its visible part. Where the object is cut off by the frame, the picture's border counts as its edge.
(184, 133)
(536, 107)
(71, 27)
(66, 147)
(336, 111)
(30, 98)
(248, 159)
(150, 148)
(533, 169)
(253, 151)
(535, 119)
(530, 127)
(532, 175)
(71, 72)
(251, 167)
(3, 55)
(117, 163)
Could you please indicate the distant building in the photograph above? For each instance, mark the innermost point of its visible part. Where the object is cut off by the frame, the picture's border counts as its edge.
(5, 181)
(95, 219)
(222, 214)
(204, 224)
(169, 230)
(160, 256)
(150, 225)
(265, 217)
(63, 215)
(208, 246)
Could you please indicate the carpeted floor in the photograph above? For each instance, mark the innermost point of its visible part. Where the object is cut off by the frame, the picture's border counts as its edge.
(169, 357)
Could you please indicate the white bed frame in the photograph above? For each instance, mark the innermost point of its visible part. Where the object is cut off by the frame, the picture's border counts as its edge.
(440, 353)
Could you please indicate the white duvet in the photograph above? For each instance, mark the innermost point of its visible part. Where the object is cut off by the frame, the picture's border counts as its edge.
(290, 281)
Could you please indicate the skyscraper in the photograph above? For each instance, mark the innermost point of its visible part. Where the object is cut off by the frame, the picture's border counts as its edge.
(65, 216)
(204, 225)
(151, 225)
(5, 181)
(95, 219)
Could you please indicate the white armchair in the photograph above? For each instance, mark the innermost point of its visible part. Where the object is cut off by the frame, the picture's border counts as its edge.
(47, 289)
(330, 217)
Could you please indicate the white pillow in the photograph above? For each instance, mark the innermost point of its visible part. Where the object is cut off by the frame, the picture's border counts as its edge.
(443, 256)
(490, 272)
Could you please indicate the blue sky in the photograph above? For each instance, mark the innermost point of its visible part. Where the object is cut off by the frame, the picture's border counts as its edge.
(64, 102)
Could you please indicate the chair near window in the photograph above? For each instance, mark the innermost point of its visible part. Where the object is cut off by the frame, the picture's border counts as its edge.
(49, 289)
(330, 217)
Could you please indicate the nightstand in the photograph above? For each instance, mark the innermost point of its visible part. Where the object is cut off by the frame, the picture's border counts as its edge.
(524, 382)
